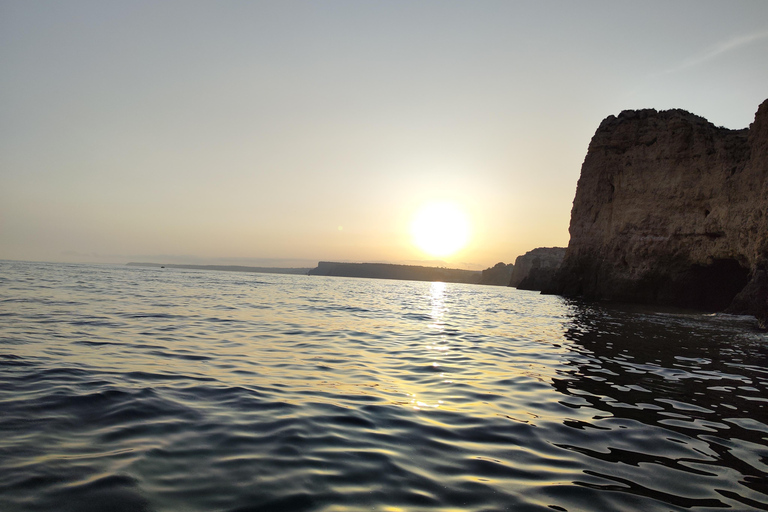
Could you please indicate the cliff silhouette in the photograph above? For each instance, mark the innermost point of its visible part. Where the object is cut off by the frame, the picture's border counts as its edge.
(497, 275)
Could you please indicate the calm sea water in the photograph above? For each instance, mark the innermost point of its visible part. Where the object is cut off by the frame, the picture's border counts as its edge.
(132, 389)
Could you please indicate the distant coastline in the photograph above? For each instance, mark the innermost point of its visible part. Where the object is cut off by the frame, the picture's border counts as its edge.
(400, 272)
(226, 268)
(498, 275)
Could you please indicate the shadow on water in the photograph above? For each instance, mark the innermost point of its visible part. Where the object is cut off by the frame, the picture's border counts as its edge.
(678, 404)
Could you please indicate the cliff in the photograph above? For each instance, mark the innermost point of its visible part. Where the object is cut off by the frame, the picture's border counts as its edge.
(497, 275)
(536, 269)
(390, 271)
(670, 209)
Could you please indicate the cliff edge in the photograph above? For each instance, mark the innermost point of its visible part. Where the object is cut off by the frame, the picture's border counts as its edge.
(670, 209)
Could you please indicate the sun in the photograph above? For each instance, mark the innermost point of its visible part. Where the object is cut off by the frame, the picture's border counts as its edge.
(440, 228)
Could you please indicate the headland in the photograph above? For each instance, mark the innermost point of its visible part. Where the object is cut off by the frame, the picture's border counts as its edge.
(672, 210)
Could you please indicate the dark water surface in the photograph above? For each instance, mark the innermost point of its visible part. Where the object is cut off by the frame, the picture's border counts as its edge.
(132, 389)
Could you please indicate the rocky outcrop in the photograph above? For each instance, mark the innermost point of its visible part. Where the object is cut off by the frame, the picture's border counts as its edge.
(670, 209)
(536, 269)
(497, 275)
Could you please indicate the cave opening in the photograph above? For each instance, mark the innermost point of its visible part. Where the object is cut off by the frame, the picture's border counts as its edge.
(713, 287)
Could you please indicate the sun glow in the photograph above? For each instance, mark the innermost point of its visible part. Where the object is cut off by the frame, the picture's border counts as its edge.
(440, 228)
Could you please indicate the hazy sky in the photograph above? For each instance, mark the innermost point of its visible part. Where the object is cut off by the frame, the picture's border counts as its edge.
(240, 131)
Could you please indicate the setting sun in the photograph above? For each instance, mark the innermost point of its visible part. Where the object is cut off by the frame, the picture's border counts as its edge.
(440, 228)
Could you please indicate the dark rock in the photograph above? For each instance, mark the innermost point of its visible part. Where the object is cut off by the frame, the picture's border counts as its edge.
(497, 275)
(536, 269)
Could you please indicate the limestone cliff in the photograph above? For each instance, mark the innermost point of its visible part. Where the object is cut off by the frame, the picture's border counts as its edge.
(536, 269)
(670, 209)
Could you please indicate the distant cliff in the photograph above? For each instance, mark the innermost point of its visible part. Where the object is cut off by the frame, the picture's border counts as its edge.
(497, 275)
(670, 209)
(535, 270)
(389, 271)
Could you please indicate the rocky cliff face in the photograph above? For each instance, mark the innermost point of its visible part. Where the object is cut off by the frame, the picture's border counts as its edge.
(536, 269)
(671, 209)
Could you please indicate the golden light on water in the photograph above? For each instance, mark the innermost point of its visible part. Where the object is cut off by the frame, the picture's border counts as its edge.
(440, 345)
(440, 228)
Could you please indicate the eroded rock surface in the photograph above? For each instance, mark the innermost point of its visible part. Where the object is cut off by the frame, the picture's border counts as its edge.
(670, 209)
(536, 269)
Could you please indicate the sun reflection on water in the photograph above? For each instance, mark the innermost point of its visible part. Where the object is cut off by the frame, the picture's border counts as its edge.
(439, 342)
(439, 310)
(437, 297)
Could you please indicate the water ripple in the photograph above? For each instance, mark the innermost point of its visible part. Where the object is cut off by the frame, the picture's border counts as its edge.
(124, 388)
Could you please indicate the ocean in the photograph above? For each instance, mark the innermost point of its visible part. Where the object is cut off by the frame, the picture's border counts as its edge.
(146, 389)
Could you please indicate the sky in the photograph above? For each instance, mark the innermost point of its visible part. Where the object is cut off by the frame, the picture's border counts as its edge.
(282, 133)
